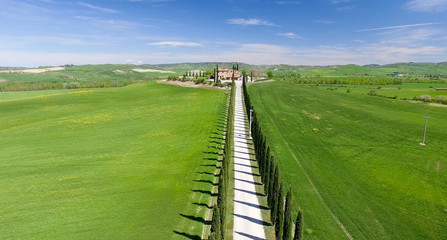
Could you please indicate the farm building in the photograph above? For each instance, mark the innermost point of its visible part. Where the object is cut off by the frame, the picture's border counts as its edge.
(227, 74)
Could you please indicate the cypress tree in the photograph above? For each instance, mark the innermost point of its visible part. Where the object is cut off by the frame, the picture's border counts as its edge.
(288, 217)
(217, 71)
(267, 175)
(274, 188)
(267, 158)
(279, 226)
(272, 179)
(298, 227)
(216, 224)
(212, 236)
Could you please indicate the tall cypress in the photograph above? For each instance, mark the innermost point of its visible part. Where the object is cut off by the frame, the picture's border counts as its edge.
(298, 227)
(288, 217)
(273, 192)
(279, 226)
(267, 158)
(267, 175)
(271, 183)
(216, 224)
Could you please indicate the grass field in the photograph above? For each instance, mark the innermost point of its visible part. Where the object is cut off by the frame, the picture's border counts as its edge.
(123, 163)
(355, 163)
(110, 72)
(405, 91)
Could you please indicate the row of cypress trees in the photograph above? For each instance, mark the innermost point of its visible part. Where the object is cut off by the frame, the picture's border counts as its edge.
(218, 223)
(280, 208)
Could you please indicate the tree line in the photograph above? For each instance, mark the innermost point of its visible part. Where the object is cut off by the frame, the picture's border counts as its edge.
(218, 223)
(280, 207)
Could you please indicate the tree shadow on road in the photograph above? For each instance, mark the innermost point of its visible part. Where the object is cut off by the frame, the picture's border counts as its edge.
(250, 236)
(249, 192)
(246, 181)
(253, 220)
(252, 205)
(248, 173)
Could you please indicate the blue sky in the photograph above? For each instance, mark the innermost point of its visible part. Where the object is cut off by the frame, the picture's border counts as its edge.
(308, 32)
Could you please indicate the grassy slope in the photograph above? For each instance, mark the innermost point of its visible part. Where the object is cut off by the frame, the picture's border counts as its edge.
(413, 69)
(107, 164)
(363, 159)
(106, 72)
(406, 90)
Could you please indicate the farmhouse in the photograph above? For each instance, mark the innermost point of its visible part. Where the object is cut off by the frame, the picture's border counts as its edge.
(227, 74)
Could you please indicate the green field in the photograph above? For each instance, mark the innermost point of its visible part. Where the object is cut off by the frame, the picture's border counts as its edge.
(406, 91)
(355, 163)
(411, 70)
(122, 163)
(110, 72)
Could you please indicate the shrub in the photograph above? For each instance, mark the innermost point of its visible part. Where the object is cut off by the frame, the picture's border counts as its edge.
(372, 93)
(425, 98)
(349, 90)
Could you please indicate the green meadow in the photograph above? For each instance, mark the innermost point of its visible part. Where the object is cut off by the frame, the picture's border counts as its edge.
(405, 91)
(122, 163)
(355, 163)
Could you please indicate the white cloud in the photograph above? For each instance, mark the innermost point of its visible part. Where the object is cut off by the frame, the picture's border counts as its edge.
(396, 27)
(107, 10)
(176, 44)
(290, 35)
(340, 1)
(249, 22)
(324, 21)
(288, 2)
(427, 5)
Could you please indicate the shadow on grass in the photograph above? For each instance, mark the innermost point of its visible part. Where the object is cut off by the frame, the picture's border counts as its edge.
(214, 147)
(207, 181)
(210, 165)
(203, 205)
(205, 192)
(217, 138)
(208, 173)
(197, 219)
(190, 236)
(213, 153)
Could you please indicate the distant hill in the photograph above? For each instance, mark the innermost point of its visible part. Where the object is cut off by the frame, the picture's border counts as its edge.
(410, 69)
